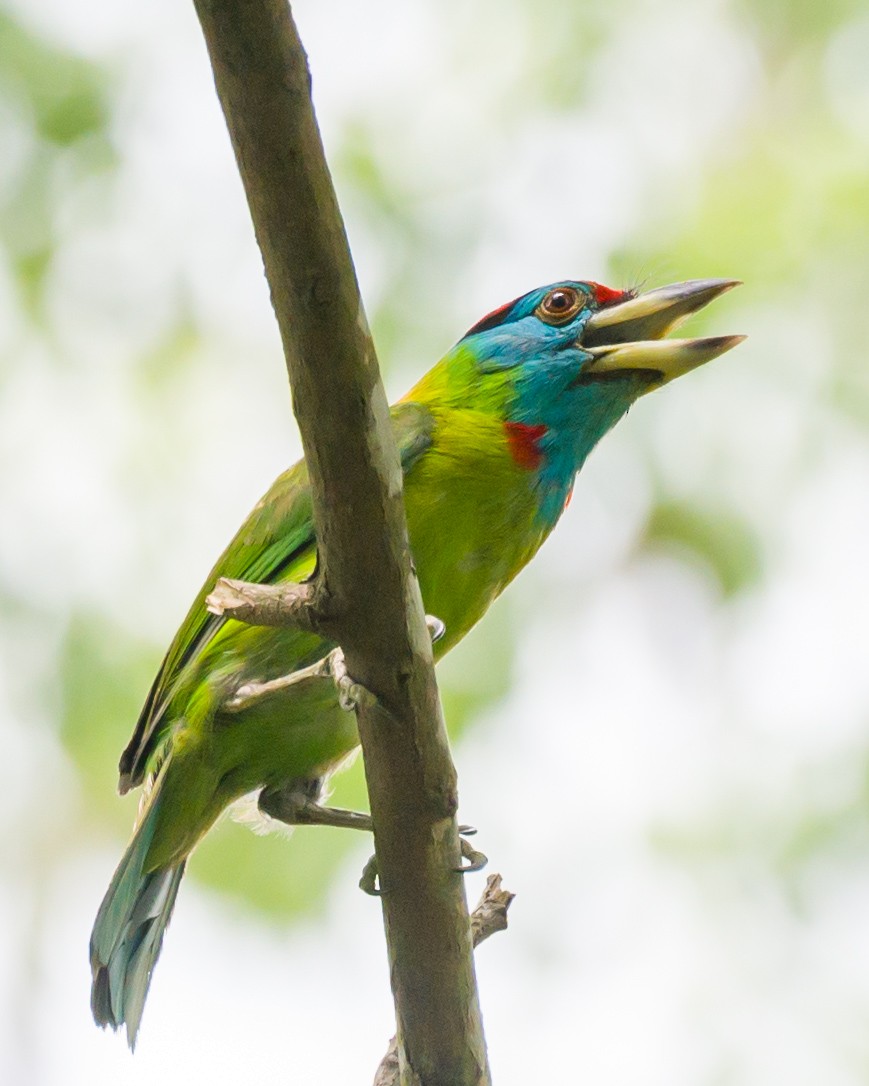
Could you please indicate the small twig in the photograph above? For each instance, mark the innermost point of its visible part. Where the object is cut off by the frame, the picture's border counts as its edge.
(489, 916)
(266, 604)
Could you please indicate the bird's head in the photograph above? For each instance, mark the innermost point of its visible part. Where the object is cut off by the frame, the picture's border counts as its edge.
(580, 334)
(563, 363)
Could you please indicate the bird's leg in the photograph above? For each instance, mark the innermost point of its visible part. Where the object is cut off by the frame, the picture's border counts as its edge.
(296, 805)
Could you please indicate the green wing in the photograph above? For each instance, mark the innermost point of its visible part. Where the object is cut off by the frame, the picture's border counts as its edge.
(278, 534)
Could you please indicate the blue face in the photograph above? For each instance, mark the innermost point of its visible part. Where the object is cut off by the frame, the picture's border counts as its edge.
(548, 320)
(537, 339)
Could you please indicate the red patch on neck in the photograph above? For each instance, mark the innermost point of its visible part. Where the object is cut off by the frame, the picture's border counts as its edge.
(607, 296)
(522, 440)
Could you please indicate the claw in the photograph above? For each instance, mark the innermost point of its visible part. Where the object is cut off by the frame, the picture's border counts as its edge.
(351, 694)
(476, 860)
(368, 881)
(436, 627)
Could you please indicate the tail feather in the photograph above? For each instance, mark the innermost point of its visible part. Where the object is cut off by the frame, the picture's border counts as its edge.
(128, 932)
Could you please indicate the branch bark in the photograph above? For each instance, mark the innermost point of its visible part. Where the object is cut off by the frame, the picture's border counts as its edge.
(265, 604)
(365, 588)
(489, 917)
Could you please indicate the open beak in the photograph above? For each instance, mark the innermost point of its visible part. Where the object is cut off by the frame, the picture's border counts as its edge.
(629, 335)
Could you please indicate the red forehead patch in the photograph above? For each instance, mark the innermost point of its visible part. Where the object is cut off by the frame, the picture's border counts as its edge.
(492, 319)
(607, 296)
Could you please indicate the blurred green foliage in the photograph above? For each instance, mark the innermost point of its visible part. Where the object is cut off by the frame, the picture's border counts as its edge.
(722, 542)
(57, 133)
(67, 96)
(104, 674)
(807, 833)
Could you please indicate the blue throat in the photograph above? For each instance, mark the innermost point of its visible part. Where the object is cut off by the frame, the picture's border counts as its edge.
(545, 366)
(576, 415)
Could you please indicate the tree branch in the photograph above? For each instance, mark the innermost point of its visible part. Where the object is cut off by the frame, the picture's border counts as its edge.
(266, 604)
(489, 916)
(365, 580)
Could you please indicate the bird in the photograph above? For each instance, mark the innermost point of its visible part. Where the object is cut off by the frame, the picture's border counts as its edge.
(490, 441)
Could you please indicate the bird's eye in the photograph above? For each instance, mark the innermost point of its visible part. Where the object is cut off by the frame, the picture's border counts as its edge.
(560, 305)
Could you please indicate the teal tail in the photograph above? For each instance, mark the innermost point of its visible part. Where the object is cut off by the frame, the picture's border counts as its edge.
(128, 932)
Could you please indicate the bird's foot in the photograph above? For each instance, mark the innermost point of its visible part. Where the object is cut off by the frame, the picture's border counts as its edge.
(295, 807)
(436, 627)
(476, 862)
(368, 879)
(351, 694)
